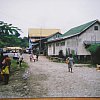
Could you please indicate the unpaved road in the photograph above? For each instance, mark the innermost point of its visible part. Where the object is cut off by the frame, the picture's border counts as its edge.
(44, 78)
(51, 79)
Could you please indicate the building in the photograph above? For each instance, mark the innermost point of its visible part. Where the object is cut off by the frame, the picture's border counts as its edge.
(36, 34)
(76, 39)
(13, 49)
(44, 40)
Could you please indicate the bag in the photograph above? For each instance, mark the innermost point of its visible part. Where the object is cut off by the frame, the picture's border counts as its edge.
(67, 61)
(6, 70)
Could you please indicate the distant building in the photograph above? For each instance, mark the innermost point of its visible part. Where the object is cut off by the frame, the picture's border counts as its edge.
(76, 40)
(13, 49)
(35, 34)
(44, 48)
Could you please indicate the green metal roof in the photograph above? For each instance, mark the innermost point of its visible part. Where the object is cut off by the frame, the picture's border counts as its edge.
(78, 29)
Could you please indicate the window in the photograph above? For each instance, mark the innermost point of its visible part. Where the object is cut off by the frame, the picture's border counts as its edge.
(57, 44)
(63, 43)
(95, 27)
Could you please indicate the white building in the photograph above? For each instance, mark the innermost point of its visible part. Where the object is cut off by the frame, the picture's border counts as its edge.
(76, 39)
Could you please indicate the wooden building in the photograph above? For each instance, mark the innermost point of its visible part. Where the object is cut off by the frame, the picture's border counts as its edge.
(76, 39)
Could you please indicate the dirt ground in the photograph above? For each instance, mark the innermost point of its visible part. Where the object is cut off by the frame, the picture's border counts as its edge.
(44, 78)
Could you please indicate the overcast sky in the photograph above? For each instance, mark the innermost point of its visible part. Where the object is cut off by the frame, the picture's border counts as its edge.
(60, 14)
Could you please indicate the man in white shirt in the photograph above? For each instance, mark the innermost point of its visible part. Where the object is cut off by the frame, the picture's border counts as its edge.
(16, 56)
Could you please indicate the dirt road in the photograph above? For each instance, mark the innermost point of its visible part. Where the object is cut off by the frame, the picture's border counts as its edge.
(51, 79)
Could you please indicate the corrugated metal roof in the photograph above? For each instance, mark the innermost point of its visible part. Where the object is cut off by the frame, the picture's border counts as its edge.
(32, 32)
(78, 29)
(75, 31)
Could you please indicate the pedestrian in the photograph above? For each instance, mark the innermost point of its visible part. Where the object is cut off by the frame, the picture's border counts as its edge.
(31, 57)
(8, 60)
(1, 64)
(34, 57)
(20, 59)
(5, 69)
(37, 56)
(70, 62)
(16, 55)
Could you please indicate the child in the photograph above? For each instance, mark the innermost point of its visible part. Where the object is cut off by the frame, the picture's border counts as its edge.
(31, 57)
(34, 57)
(20, 59)
(70, 62)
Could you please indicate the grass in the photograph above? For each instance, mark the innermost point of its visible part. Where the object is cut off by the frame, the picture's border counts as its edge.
(92, 66)
(15, 67)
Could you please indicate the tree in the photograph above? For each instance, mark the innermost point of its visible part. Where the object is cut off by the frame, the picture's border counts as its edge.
(95, 53)
(24, 42)
(7, 29)
(9, 35)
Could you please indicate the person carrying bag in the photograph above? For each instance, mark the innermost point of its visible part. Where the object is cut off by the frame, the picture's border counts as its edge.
(70, 62)
(5, 70)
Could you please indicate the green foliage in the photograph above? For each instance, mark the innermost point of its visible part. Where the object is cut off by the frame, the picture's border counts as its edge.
(9, 36)
(8, 29)
(15, 66)
(93, 48)
(73, 52)
(95, 53)
(24, 42)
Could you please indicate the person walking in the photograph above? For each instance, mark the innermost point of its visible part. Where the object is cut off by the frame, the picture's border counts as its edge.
(34, 57)
(5, 69)
(20, 59)
(37, 55)
(16, 55)
(31, 57)
(70, 61)
(1, 64)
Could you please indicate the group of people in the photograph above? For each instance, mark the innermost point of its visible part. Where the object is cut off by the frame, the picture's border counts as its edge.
(5, 63)
(33, 57)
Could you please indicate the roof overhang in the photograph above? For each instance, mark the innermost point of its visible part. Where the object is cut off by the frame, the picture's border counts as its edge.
(91, 42)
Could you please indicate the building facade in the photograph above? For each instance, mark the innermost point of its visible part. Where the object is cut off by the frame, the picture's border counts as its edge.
(36, 34)
(76, 39)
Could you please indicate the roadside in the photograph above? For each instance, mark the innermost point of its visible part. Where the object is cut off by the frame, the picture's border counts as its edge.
(17, 86)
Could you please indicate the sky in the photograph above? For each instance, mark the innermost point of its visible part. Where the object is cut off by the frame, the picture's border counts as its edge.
(56, 14)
